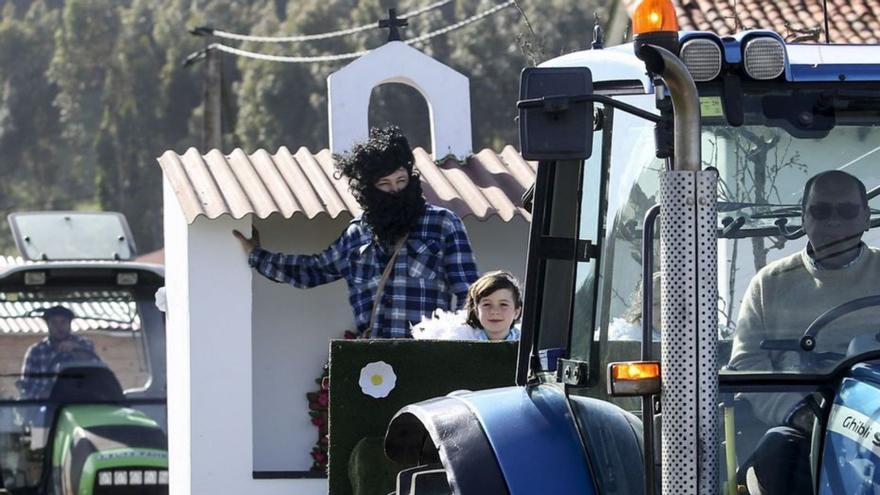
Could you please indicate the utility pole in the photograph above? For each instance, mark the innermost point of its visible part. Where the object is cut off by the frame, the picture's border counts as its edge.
(213, 98)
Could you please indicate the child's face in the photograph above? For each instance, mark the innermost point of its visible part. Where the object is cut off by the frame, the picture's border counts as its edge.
(497, 312)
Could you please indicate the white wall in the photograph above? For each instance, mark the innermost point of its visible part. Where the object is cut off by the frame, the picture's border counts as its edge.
(292, 328)
(210, 370)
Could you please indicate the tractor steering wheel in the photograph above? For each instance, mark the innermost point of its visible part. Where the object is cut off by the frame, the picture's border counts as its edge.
(808, 341)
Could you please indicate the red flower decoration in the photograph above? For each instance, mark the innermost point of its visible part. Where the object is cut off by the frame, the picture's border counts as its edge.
(319, 402)
(319, 457)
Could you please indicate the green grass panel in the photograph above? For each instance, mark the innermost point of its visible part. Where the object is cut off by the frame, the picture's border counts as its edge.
(424, 369)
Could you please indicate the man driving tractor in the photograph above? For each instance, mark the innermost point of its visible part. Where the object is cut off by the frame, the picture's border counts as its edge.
(782, 300)
(787, 295)
(42, 357)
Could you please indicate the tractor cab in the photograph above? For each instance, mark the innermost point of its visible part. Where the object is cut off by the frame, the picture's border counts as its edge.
(701, 299)
(82, 360)
(758, 261)
(796, 338)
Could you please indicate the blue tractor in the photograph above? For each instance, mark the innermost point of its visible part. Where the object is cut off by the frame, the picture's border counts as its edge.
(694, 150)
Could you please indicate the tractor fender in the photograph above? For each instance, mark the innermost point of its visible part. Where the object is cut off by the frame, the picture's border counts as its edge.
(516, 440)
(614, 445)
(850, 461)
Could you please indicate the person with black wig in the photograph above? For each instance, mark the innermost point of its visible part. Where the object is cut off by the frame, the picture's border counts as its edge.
(402, 258)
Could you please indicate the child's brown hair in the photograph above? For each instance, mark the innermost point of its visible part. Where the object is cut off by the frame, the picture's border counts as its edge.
(487, 284)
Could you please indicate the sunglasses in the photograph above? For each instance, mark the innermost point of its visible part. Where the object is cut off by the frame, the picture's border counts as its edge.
(846, 211)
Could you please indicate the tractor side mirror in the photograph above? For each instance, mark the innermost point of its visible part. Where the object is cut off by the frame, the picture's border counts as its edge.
(555, 113)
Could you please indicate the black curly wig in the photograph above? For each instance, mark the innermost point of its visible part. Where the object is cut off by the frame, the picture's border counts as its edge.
(389, 215)
(384, 152)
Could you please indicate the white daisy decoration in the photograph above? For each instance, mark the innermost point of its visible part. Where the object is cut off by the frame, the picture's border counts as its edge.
(377, 379)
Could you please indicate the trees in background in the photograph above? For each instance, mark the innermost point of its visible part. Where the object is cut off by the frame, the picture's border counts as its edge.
(92, 91)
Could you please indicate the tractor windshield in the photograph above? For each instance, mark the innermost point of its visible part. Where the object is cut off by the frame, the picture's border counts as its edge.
(108, 353)
(772, 288)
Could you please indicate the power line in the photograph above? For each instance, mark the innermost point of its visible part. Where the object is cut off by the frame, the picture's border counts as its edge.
(281, 58)
(344, 56)
(205, 30)
(461, 24)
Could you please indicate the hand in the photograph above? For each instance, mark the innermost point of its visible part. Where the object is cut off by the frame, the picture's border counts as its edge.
(248, 244)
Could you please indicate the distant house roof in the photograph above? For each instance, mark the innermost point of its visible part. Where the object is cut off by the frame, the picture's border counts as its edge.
(302, 183)
(850, 21)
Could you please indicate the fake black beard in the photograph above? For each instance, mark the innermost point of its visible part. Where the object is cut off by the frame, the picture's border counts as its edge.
(391, 216)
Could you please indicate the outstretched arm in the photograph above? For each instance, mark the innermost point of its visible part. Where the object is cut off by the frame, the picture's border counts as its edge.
(300, 270)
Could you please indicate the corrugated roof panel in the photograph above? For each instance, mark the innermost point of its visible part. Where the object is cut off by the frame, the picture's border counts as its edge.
(250, 182)
(262, 184)
(110, 313)
(493, 179)
(325, 158)
(275, 183)
(101, 316)
(292, 174)
(435, 183)
(187, 192)
(320, 181)
(230, 188)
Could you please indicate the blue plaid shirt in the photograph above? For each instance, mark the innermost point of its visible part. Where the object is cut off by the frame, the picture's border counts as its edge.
(37, 360)
(435, 263)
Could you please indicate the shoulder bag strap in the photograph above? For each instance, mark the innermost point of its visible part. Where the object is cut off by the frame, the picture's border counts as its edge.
(381, 287)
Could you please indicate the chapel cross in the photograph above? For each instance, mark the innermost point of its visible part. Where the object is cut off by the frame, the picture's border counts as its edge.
(392, 23)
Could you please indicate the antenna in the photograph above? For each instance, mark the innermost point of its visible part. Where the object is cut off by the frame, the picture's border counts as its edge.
(598, 33)
(825, 13)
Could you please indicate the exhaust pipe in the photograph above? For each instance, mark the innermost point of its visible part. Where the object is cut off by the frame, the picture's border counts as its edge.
(689, 294)
(685, 103)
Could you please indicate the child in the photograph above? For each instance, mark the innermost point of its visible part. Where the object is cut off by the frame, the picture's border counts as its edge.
(494, 304)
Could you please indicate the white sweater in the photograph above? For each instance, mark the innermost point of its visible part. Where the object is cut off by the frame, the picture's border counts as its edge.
(781, 302)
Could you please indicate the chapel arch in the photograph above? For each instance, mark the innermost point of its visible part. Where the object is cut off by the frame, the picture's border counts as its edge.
(446, 93)
(403, 105)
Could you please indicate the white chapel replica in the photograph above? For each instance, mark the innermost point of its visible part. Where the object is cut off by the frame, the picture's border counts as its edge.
(243, 351)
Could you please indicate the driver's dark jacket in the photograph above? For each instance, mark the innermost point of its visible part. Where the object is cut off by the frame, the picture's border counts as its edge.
(782, 300)
(39, 359)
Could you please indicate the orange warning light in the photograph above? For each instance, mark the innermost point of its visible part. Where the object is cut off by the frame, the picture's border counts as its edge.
(635, 371)
(633, 378)
(653, 16)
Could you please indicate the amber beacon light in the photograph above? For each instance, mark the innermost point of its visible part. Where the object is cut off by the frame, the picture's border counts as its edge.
(655, 23)
(653, 16)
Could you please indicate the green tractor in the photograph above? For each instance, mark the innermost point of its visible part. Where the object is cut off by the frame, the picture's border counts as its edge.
(82, 360)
